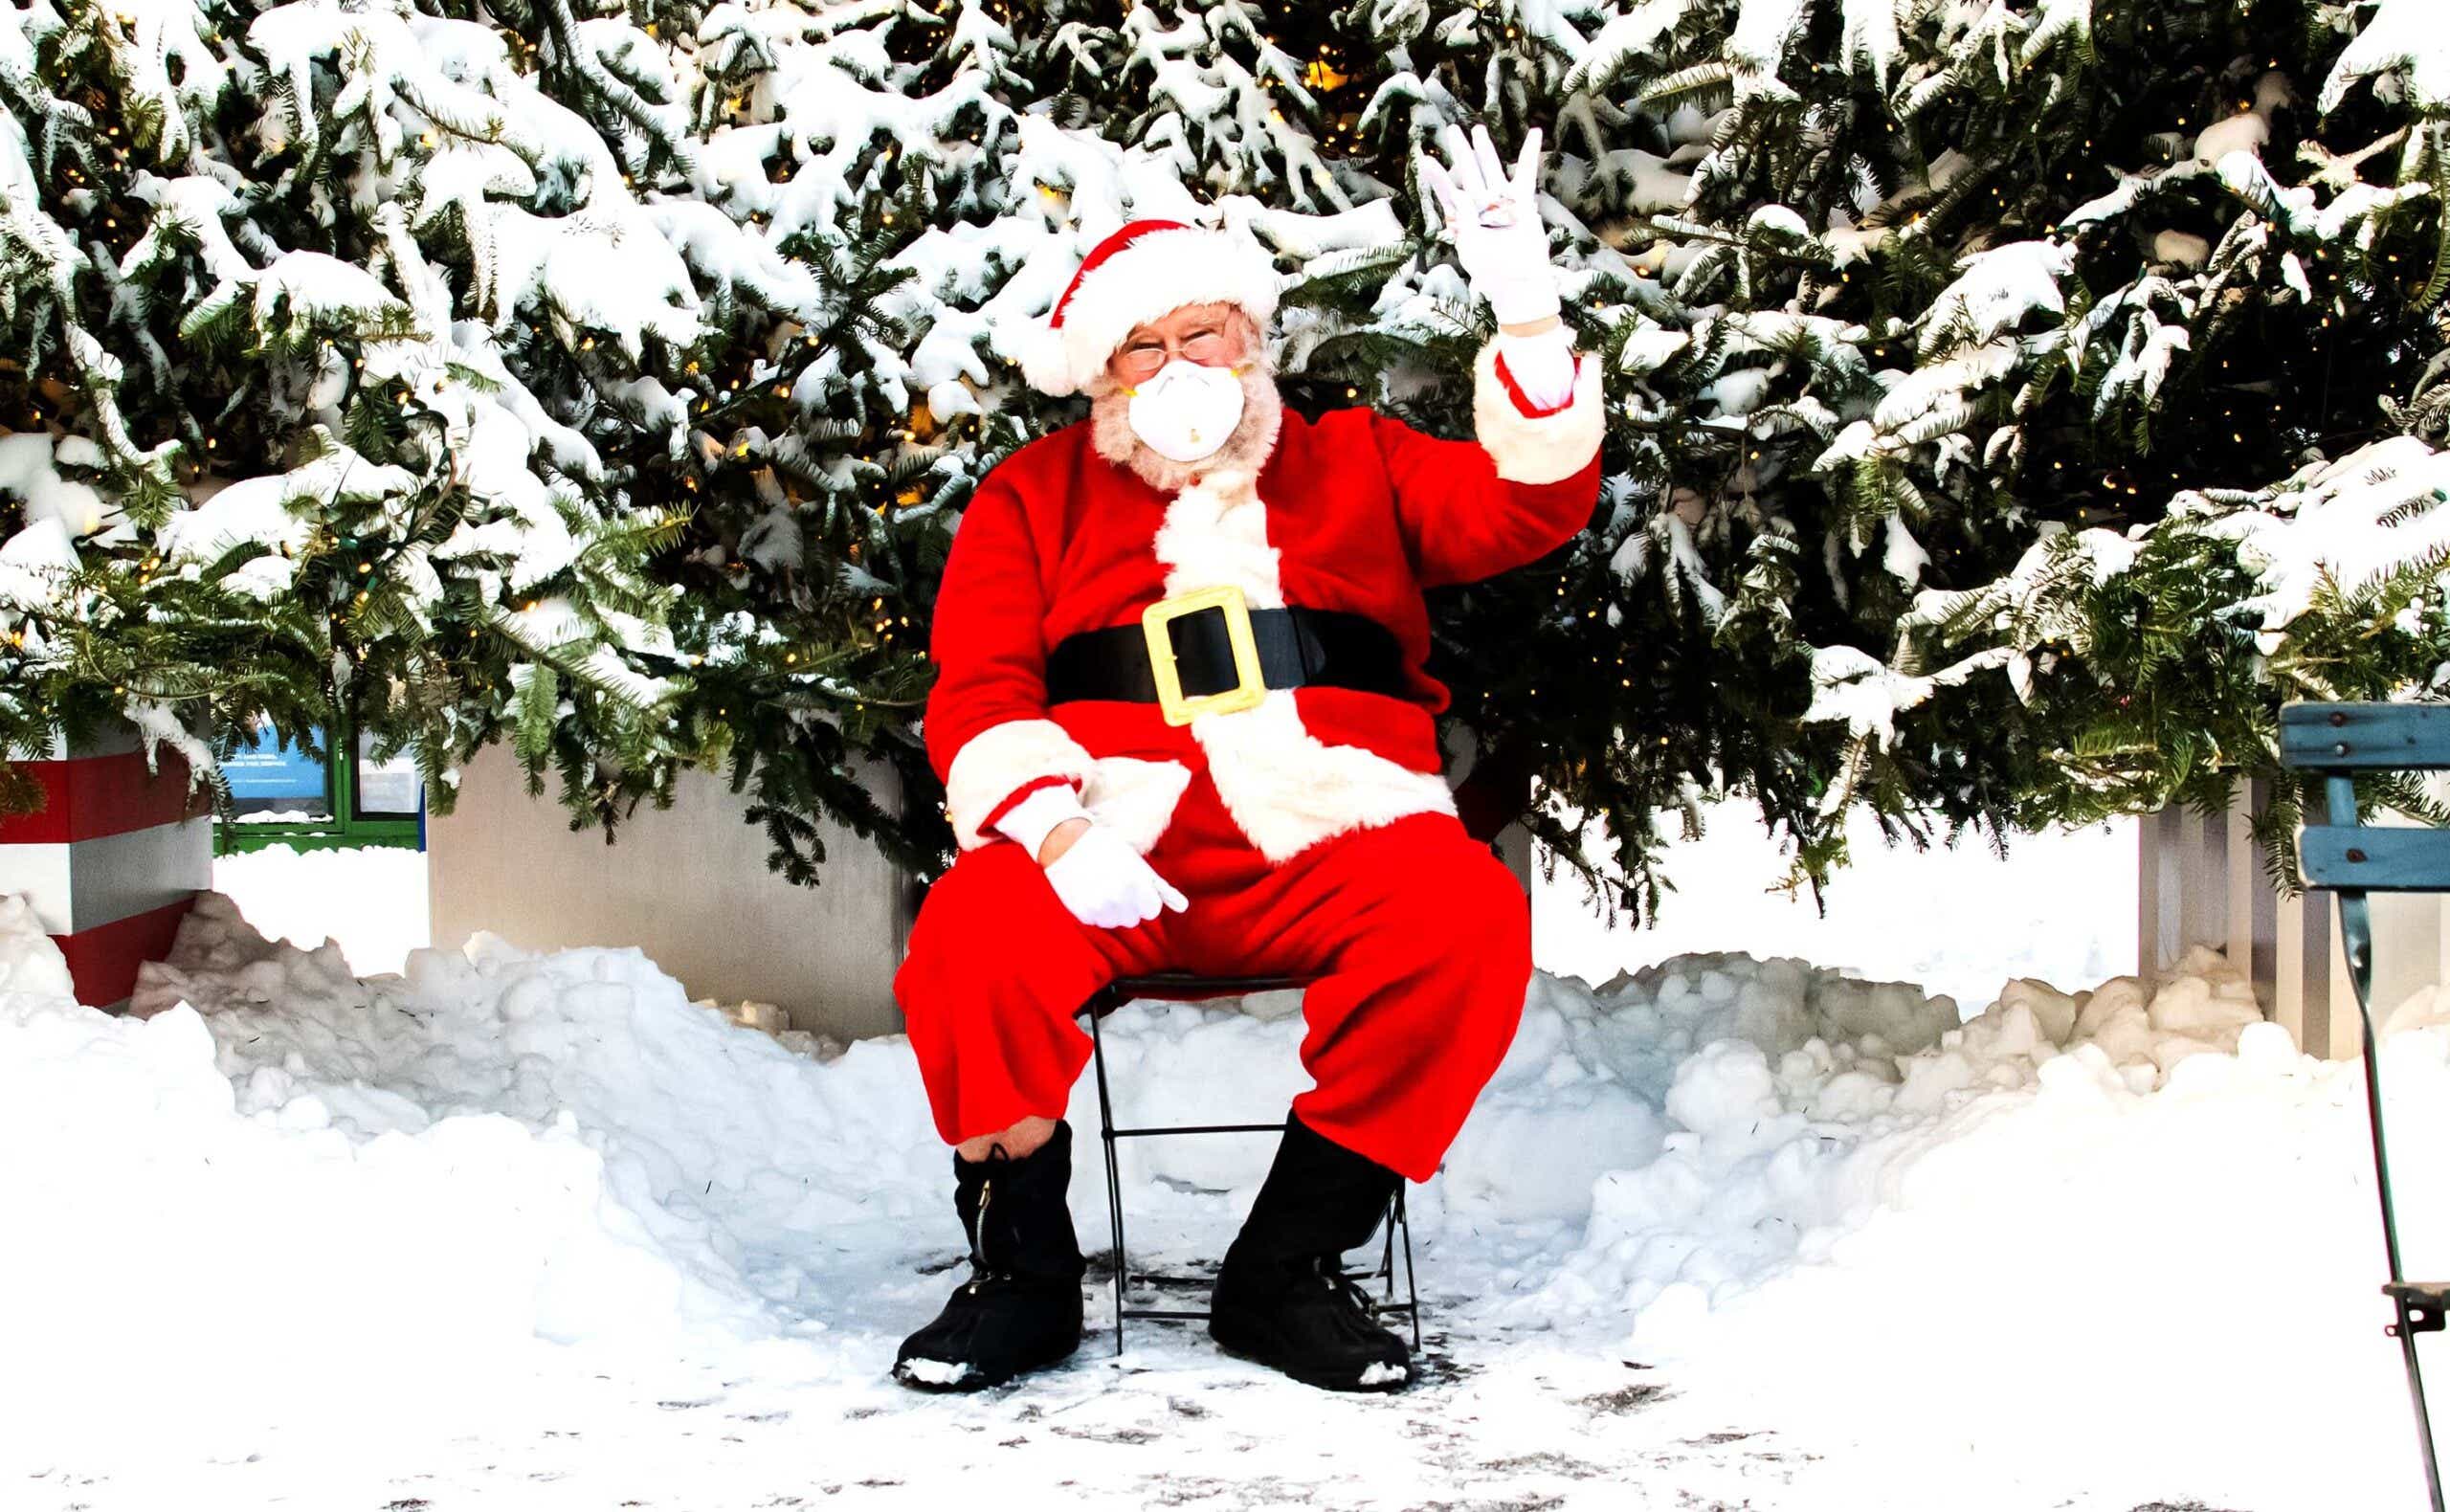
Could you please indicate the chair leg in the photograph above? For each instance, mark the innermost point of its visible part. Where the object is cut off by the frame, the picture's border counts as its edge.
(1397, 1219)
(1114, 1178)
(1386, 1270)
(2356, 940)
(1411, 1282)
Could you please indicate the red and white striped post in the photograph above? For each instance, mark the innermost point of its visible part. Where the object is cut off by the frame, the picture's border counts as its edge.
(112, 860)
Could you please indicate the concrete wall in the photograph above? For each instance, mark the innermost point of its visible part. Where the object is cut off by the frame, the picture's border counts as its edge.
(686, 884)
(689, 886)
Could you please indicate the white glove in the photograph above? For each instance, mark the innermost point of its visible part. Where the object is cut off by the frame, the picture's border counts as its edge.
(1495, 223)
(1101, 880)
(1105, 882)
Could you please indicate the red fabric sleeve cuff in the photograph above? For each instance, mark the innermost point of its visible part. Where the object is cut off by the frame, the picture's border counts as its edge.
(1018, 794)
(1514, 391)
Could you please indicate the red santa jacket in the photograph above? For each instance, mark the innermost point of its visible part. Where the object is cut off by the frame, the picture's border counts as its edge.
(1355, 512)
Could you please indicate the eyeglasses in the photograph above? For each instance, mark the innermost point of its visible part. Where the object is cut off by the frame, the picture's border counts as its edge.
(1143, 359)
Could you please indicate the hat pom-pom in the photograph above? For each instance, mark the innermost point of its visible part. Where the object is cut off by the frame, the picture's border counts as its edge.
(1039, 348)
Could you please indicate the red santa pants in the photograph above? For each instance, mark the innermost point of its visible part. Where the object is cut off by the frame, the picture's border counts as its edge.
(1417, 939)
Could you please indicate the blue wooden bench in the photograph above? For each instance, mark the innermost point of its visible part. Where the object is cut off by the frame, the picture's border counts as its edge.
(2337, 741)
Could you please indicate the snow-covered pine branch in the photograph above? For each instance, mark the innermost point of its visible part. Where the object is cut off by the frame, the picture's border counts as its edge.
(686, 327)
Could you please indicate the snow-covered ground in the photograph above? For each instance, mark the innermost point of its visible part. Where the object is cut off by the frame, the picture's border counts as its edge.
(535, 1232)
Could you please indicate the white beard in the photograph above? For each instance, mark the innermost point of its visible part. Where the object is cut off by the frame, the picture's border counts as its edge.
(1253, 438)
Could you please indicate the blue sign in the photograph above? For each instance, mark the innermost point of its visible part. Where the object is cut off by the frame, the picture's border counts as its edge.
(263, 769)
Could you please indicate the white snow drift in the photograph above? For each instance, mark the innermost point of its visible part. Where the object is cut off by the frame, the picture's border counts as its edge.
(2078, 1246)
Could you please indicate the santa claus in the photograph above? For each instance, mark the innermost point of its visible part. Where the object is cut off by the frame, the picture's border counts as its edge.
(1182, 723)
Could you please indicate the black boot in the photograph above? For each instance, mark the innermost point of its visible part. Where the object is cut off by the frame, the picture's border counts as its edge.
(1020, 1310)
(1282, 1297)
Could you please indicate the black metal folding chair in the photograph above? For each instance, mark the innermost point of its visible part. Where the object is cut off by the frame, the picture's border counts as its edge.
(2338, 740)
(1186, 987)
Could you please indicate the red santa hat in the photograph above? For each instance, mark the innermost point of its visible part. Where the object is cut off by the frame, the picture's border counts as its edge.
(1145, 269)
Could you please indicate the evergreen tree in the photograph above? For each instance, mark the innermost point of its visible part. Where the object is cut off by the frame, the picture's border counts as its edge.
(1997, 385)
(1895, 293)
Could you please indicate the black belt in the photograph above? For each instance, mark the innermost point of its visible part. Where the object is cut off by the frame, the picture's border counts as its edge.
(1297, 648)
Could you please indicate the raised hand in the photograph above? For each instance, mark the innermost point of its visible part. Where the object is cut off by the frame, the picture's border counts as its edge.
(1494, 220)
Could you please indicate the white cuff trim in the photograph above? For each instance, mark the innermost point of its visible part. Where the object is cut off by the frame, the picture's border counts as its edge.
(1134, 798)
(999, 759)
(1541, 366)
(1030, 820)
(1536, 449)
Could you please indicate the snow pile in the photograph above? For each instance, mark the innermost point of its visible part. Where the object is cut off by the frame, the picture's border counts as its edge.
(2077, 1247)
(1590, 1085)
(292, 1194)
(564, 1146)
(285, 892)
(287, 1181)
(720, 1152)
(2100, 1236)
(1792, 1127)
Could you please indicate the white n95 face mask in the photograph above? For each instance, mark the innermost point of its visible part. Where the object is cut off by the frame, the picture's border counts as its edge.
(1187, 410)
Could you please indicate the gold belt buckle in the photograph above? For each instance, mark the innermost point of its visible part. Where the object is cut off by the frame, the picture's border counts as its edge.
(1250, 688)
